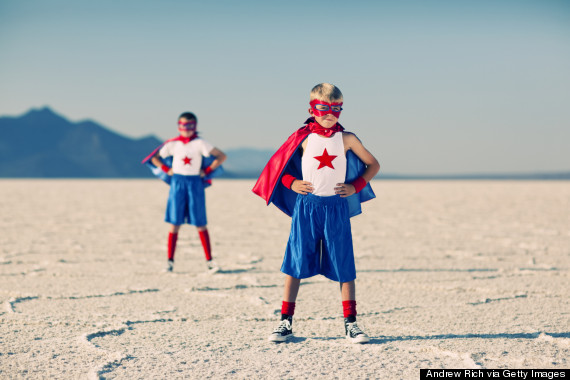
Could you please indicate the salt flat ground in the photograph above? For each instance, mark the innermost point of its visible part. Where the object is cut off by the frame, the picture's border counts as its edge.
(470, 274)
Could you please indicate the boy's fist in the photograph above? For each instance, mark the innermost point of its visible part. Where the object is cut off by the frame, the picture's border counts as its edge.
(302, 187)
(344, 189)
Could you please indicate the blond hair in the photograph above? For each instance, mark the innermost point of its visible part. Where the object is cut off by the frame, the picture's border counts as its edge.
(327, 92)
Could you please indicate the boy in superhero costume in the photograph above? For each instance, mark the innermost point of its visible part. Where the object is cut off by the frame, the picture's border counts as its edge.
(319, 177)
(187, 163)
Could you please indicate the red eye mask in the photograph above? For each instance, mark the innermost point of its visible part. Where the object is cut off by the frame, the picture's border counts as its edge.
(187, 126)
(321, 108)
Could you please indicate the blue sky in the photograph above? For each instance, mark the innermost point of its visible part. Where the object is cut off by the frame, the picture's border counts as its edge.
(431, 87)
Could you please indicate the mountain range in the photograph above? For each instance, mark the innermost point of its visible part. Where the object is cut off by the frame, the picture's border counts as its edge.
(44, 144)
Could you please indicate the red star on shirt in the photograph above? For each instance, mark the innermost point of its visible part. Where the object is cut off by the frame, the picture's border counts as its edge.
(325, 160)
(186, 160)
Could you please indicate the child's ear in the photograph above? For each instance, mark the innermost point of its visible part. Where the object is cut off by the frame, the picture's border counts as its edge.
(311, 112)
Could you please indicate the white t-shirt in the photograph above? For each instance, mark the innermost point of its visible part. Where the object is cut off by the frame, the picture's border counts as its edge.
(186, 158)
(324, 163)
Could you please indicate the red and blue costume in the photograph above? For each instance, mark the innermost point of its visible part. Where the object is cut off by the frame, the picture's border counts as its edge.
(186, 200)
(160, 173)
(320, 241)
(287, 160)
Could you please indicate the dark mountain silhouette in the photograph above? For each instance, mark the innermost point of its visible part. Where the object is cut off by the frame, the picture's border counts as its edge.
(44, 144)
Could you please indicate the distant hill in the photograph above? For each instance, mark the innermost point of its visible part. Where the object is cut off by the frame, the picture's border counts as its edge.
(44, 144)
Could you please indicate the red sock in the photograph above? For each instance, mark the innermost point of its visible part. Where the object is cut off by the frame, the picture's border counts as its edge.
(349, 308)
(288, 308)
(205, 238)
(172, 237)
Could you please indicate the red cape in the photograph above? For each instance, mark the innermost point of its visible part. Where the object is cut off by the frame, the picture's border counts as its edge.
(271, 174)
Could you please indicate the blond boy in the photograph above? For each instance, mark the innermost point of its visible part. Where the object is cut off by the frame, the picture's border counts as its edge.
(319, 177)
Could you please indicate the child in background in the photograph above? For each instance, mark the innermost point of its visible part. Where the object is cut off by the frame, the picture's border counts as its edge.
(319, 176)
(187, 163)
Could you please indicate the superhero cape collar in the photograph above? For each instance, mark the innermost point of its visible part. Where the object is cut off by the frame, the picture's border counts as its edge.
(186, 140)
(315, 127)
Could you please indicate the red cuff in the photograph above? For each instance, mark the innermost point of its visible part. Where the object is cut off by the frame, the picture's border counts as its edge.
(165, 168)
(287, 180)
(348, 308)
(359, 184)
(208, 170)
(288, 308)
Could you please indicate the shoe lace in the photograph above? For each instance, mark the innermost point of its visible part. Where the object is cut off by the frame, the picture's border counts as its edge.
(354, 330)
(283, 326)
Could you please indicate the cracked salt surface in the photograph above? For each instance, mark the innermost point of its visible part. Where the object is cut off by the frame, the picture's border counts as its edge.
(450, 275)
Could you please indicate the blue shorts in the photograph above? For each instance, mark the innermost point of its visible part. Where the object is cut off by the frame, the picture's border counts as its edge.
(321, 239)
(186, 201)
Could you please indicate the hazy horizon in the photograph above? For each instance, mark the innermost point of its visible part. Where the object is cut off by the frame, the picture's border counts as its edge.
(431, 88)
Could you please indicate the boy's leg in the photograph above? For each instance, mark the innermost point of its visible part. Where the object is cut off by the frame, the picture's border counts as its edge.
(291, 288)
(289, 296)
(348, 295)
(348, 290)
(205, 239)
(352, 331)
(284, 330)
(172, 239)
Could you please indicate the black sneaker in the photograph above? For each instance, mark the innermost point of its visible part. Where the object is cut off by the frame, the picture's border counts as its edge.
(283, 332)
(353, 333)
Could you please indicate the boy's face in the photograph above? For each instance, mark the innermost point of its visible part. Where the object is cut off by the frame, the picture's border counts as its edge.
(186, 127)
(325, 113)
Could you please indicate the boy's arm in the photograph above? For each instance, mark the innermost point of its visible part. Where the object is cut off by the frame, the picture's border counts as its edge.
(372, 166)
(156, 161)
(220, 158)
(298, 185)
